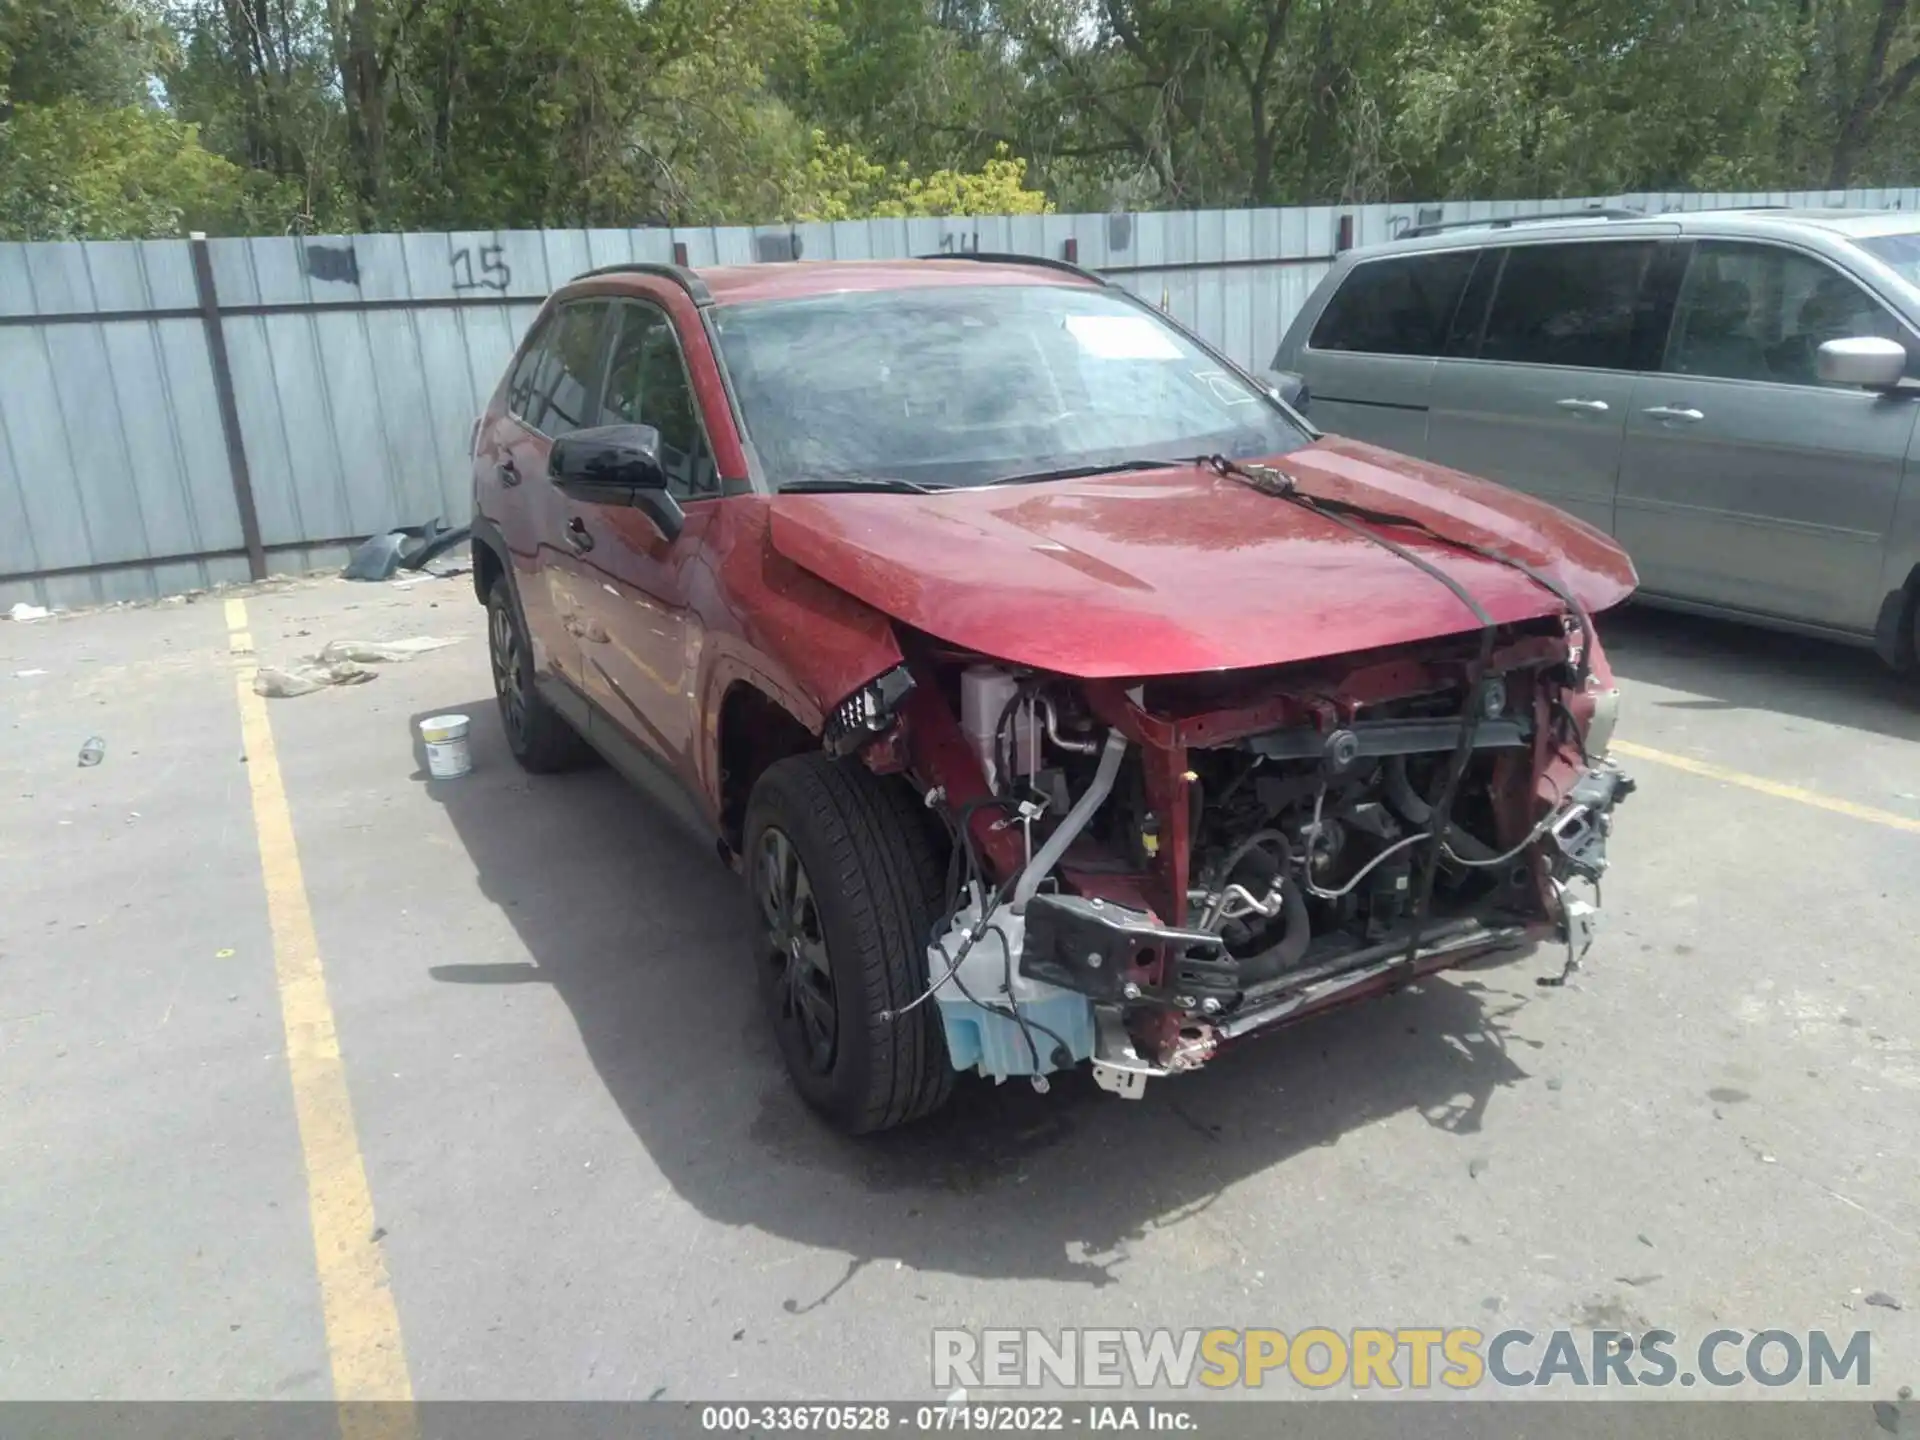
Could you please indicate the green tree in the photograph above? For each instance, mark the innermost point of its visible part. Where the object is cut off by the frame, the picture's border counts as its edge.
(69, 171)
(84, 150)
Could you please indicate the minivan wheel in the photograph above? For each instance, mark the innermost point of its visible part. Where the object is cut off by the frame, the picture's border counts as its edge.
(537, 734)
(846, 885)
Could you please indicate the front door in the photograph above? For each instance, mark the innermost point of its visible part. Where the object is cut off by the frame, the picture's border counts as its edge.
(1542, 406)
(1745, 481)
(641, 642)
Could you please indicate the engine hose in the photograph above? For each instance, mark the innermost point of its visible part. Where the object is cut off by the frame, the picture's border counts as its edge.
(1417, 812)
(1091, 799)
(1356, 519)
(1291, 949)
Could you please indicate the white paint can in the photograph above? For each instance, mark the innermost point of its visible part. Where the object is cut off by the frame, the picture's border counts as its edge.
(446, 741)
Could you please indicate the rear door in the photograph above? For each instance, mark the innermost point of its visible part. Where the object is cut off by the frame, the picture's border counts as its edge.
(1540, 402)
(561, 398)
(1746, 481)
(503, 442)
(1369, 358)
(510, 467)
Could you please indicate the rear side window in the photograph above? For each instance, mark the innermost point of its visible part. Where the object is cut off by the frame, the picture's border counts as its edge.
(520, 386)
(1401, 306)
(561, 384)
(1576, 304)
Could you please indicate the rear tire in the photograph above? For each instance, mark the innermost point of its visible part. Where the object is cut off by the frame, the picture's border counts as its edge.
(846, 883)
(537, 734)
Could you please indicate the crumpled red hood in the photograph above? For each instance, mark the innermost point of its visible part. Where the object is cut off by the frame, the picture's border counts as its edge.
(1173, 571)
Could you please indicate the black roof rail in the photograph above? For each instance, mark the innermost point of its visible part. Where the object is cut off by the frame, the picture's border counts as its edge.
(997, 257)
(1505, 222)
(679, 274)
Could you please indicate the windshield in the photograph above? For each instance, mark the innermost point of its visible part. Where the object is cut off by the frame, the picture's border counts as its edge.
(967, 384)
(1901, 252)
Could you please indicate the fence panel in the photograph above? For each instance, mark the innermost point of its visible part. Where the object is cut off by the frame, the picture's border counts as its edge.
(357, 362)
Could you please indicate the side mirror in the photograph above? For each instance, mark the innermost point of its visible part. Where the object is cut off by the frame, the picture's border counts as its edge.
(1287, 387)
(1864, 360)
(616, 465)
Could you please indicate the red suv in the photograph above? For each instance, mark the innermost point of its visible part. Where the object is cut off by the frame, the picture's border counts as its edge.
(1062, 695)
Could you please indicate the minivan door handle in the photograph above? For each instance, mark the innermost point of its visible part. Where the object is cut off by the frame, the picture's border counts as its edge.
(1674, 412)
(1591, 407)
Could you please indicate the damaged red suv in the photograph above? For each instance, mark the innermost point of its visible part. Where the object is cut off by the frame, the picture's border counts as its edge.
(1063, 697)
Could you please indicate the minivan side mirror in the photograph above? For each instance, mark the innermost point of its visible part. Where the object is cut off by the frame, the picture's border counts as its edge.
(616, 465)
(1864, 360)
(1287, 387)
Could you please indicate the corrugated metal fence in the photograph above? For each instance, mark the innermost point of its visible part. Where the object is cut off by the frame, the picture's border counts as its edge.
(175, 414)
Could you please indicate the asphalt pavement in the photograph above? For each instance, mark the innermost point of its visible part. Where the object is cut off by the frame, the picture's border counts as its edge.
(464, 1090)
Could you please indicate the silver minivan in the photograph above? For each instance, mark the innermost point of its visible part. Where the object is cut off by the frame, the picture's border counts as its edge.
(1730, 394)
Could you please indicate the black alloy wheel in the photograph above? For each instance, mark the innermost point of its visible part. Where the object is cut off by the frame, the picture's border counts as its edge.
(509, 674)
(794, 945)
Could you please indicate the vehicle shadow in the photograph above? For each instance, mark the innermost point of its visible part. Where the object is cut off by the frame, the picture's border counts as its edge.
(643, 933)
(1731, 666)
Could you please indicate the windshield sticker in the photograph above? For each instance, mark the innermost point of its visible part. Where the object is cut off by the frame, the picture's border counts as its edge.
(1121, 337)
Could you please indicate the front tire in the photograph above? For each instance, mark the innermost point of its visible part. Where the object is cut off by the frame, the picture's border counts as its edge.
(845, 882)
(537, 734)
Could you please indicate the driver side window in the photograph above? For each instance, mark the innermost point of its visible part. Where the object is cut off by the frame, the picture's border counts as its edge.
(647, 384)
(1762, 312)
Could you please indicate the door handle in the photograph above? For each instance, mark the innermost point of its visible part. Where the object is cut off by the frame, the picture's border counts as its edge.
(1674, 412)
(507, 473)
(1590, 407)
(578, 535)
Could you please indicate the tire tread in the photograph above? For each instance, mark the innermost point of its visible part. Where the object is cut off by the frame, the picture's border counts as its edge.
(887, 877)
(551, 744)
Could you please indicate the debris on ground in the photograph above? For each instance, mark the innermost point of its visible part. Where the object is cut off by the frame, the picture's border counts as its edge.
(94, 751)
(438, 572)
(406, 547)
(340, 662)
(1883, 1300)
(283, 684)
(23, 612)
(27, 674)
(380, 652)
(1476, 1168)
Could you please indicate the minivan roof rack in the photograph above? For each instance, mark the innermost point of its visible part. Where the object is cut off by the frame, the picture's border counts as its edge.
(695, 287)
(1001, 257)
(1504, 222)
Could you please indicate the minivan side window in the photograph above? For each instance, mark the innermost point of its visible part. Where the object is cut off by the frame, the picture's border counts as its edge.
(1762, 312)
(647, 384)
(1569, 304)
(1398, 306)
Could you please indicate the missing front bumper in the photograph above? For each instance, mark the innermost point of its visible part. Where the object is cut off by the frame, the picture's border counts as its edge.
(1073, 956)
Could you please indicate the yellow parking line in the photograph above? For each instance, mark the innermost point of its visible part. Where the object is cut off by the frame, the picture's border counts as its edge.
(1769, 787)
(356, 1298)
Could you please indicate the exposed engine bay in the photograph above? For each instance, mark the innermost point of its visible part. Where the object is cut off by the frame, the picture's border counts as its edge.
(1144, 871)
(1141, 874)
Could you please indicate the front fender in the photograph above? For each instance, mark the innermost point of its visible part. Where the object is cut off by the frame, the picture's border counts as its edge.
(800, 638)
